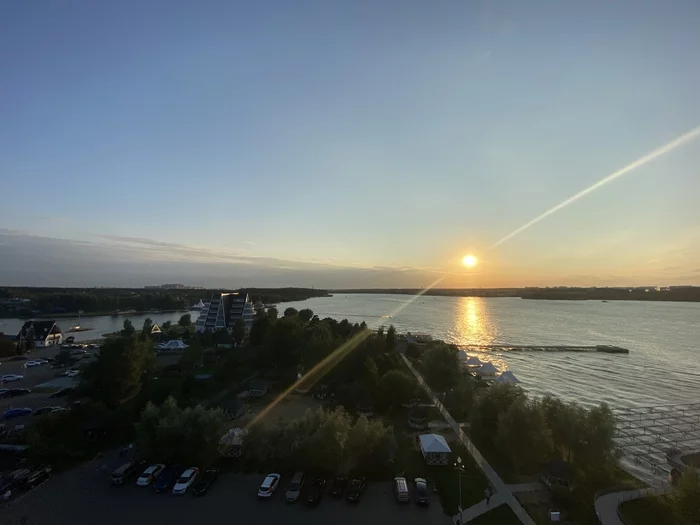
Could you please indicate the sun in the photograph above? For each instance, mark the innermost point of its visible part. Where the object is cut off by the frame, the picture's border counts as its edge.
(469, 261)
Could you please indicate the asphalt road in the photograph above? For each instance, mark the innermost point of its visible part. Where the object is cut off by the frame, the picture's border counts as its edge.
(84, 497)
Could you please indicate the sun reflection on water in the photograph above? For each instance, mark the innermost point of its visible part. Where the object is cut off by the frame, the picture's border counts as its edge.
(473, 326)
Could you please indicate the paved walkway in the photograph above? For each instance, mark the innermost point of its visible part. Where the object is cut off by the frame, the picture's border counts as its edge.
(501, 489)
(607, 504)
(478, 509)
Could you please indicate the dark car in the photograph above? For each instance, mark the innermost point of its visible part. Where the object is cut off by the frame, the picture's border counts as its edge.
(44, 410)
(14, 392)
(315, 491)
(62, 393)
(422, 497)
(36, 478)
(167, 478)
(122, 474)
(16, 412)
(338, 486)
(355, 490)
(205, 480)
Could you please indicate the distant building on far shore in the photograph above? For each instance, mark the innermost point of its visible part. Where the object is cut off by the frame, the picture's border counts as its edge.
(223, 310)
(173, 287)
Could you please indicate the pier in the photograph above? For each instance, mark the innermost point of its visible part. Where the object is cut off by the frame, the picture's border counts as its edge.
(605, 349)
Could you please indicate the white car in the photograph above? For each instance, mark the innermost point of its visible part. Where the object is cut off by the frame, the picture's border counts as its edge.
(149, 475)
(270, 483)
(36, 362)
(184, 482)
(9, 378)
(71, 373)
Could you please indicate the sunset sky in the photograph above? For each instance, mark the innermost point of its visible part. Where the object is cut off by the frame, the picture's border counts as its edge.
(347, 144)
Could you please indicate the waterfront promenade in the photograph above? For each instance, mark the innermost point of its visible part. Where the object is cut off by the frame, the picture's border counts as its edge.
(501, 489)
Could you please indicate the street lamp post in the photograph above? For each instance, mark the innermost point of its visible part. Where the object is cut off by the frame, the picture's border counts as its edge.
(459, 468)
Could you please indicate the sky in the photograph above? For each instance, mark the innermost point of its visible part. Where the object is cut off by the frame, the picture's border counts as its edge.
(348, 144)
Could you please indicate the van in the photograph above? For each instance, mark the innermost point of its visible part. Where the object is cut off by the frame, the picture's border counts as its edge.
(120, 475)
(401, 490)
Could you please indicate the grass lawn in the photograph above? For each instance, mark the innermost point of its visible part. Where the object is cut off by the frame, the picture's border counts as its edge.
(648, 511)
(501, 515)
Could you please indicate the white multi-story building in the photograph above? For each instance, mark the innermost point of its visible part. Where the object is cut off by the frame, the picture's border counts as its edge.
(223, 311)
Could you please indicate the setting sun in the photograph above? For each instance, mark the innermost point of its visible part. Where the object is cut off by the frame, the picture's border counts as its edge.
(469, 261)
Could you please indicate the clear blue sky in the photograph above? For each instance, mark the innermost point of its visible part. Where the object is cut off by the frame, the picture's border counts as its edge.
(347, 143)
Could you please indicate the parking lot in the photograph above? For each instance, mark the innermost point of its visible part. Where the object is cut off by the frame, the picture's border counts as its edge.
(84, 496)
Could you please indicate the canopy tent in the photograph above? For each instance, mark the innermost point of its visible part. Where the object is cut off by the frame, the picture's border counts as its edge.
(474, 361)
(487, 372)
(508, 377)
(435, 449)
(155, 329)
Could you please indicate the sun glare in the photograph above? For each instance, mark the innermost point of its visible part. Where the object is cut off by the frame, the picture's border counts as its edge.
(469, 261)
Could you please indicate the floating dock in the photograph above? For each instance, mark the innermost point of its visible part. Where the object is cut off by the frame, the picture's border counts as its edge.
(605, 349)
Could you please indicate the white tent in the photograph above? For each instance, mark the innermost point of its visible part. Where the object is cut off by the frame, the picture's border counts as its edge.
(487, 372)
(508, 377)
(435, 449)
(474, 361)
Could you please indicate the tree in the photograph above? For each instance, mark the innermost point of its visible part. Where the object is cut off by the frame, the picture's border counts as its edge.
(291, 312)
(129, 329)
(524, 436)
(396, 388)
(185, 320)
(166, 326)
(391, 339)
(192, 355)
(259, 330)
(305, 315)
(272, 313)
(488, 407)
(116, 376)
(460, 399)
(186, 435)
(413, 351)
(371, 378)
(239, 331)
(222, 337)
(371, 445)
(441, 367)
(7, 348)
(686, 497)
(146, 330)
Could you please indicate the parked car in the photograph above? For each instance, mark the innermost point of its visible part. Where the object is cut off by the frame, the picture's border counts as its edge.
(356, 489)
(185, 481)
(30, 364)
(269, 485)
(205, 480)
(294, 488)
(36, 478)
(16, 412)
(71, 373)
(167, 478)
(315, 491)
(401, 490)
(62, 393)
(122, 474)
(45, 410)
(421, 495)
(59, 409)
(338, 486)
(9, 378)
(148, 475)
(4, 391)
(15, 392)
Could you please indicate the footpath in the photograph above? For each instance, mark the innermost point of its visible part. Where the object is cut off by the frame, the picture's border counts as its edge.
(502, 492)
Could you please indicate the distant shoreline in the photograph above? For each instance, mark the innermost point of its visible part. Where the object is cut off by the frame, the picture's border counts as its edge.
(690, 294)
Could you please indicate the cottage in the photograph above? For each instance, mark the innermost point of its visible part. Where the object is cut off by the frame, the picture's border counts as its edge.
(257, 388)
(487, 372)
(231, 443)
(435, 449)
(43, 333)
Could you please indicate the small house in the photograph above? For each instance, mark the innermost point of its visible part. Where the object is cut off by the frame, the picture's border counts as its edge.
(508, 377)
(558, 474)
(43, 333)
(231, 443)
(435, 449)
(257, 388)
(487, 372)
